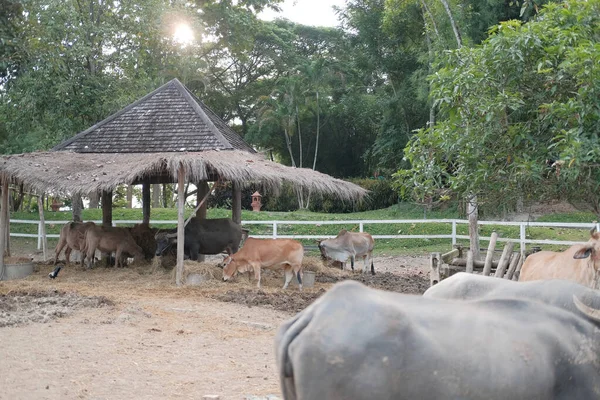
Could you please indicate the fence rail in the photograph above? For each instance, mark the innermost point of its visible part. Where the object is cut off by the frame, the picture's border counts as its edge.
(522, 239)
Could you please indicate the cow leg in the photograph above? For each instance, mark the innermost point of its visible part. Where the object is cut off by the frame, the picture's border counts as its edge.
(289, 274)
(352, 259)
(59, 247)
(68, 254)
(118, 258)
(299, 274)
(194, 252)
(257, 275)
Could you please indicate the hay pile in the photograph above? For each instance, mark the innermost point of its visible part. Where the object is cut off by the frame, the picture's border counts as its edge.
(209, 271)
(316, 265)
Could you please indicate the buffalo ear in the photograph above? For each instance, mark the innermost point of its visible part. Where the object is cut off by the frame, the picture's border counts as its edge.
(583, 253)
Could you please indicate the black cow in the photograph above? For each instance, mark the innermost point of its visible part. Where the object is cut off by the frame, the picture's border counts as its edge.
(203, 236)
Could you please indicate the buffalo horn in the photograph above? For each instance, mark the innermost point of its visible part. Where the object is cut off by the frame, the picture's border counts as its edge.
(590, 312)
(172, 235)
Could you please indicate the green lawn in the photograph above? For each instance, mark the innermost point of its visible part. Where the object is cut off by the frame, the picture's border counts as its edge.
(383, 246)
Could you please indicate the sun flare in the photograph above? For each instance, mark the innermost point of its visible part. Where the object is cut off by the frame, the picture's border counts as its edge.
(183, 34)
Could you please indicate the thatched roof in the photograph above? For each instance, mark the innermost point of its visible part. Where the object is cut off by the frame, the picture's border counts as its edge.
(148, 140)
(170, 119)
(69, 172)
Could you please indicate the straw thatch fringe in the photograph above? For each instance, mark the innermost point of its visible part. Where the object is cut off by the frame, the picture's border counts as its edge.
(62, 172)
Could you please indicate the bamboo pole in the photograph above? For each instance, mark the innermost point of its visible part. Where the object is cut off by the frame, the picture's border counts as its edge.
(180, 224)
(487, 267)
(43, 229)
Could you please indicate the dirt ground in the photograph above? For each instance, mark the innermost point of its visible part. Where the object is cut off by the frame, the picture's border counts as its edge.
(130, 333)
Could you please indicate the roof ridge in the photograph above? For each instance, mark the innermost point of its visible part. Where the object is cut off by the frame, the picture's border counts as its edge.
(200, 112)
(105, 121)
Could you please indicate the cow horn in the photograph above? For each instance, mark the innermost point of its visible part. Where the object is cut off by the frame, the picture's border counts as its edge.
(171, 235)
(593, 230)
(590, 312)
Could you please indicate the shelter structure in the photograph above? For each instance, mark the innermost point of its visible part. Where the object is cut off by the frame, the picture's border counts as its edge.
(167, 136)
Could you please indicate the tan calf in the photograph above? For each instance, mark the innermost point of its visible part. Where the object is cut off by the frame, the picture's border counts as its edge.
(266, 253)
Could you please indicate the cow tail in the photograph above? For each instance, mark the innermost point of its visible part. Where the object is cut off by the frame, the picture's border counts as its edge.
(285, 336)
(372, 268)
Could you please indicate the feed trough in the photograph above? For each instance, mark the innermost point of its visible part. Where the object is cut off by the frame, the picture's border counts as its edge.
(17, 268)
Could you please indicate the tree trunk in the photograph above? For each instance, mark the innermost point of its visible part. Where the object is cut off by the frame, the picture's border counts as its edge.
(165, 198)
(146, 203)
(428, 11)
(18, 199)
(288, 142)
(77, 206)
(453, 23)
(129, 196)
(317, 141)
(94, 200)
(472, 215)
(156, 196)
(299, 137)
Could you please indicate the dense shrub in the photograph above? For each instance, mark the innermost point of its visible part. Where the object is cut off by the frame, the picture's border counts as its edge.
(382, 195)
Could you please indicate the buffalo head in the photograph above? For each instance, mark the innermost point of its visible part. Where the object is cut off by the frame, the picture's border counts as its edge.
(164, 240)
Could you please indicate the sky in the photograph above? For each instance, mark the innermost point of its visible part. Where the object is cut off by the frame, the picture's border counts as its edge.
(307, 12)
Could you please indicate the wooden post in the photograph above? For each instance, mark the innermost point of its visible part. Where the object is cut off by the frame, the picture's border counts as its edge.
(107, 208)
(472, 215)
(43, 229)
(146, 202)
(236, 203)
(6, 237)
(180, 223)
(3, 225)
(434, 264)
(129, 196)
(469, 267)
(504, 260)
(487, 267)
(203, 190)
(76, 206)
(518, 270)
(513, 265)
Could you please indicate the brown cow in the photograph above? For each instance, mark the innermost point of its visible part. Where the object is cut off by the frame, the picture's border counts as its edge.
(349, 245)
(266, 253)
(72, 236)
(109, 239)
(579, 263)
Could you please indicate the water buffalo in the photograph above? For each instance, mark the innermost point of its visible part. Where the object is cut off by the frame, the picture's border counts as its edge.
(108, 240)
(397, 346)
(72, 236)
(203, 236)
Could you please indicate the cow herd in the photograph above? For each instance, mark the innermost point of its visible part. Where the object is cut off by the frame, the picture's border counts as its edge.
(468, 337)
(212, 236)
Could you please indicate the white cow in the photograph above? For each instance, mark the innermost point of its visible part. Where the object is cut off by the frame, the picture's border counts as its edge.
(349, 245)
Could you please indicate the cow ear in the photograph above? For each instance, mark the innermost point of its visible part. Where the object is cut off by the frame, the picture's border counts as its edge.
(596, 235)
(584, 252)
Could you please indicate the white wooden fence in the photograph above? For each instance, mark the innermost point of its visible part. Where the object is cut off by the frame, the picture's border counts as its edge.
(522, 239)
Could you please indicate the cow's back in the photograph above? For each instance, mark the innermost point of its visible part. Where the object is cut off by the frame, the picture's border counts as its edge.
(546, 265)
(418, 348)
(214, 235)
(269, 252)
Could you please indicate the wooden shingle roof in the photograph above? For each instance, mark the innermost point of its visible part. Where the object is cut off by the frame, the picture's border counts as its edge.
(170, 119)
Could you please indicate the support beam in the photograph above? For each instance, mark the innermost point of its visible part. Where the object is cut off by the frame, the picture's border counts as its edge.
(6, 212)
(146, 202)
(203, 190)
(180, 224)
(236, 203)
(107, 208)
(43, 228)
(76, 204)
(3, 225)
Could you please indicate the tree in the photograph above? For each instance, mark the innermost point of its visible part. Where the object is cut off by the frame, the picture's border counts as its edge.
(528, 94)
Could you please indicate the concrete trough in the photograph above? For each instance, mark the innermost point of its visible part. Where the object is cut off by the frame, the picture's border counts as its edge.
(17, 270)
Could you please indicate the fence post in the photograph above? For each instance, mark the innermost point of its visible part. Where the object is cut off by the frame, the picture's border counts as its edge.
(274, 230)
(522, 239)
(597, 226)
(453, 233)
(361, 227)
(39, 235)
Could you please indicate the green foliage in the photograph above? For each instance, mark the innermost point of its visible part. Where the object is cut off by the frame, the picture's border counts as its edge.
(526, 95)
